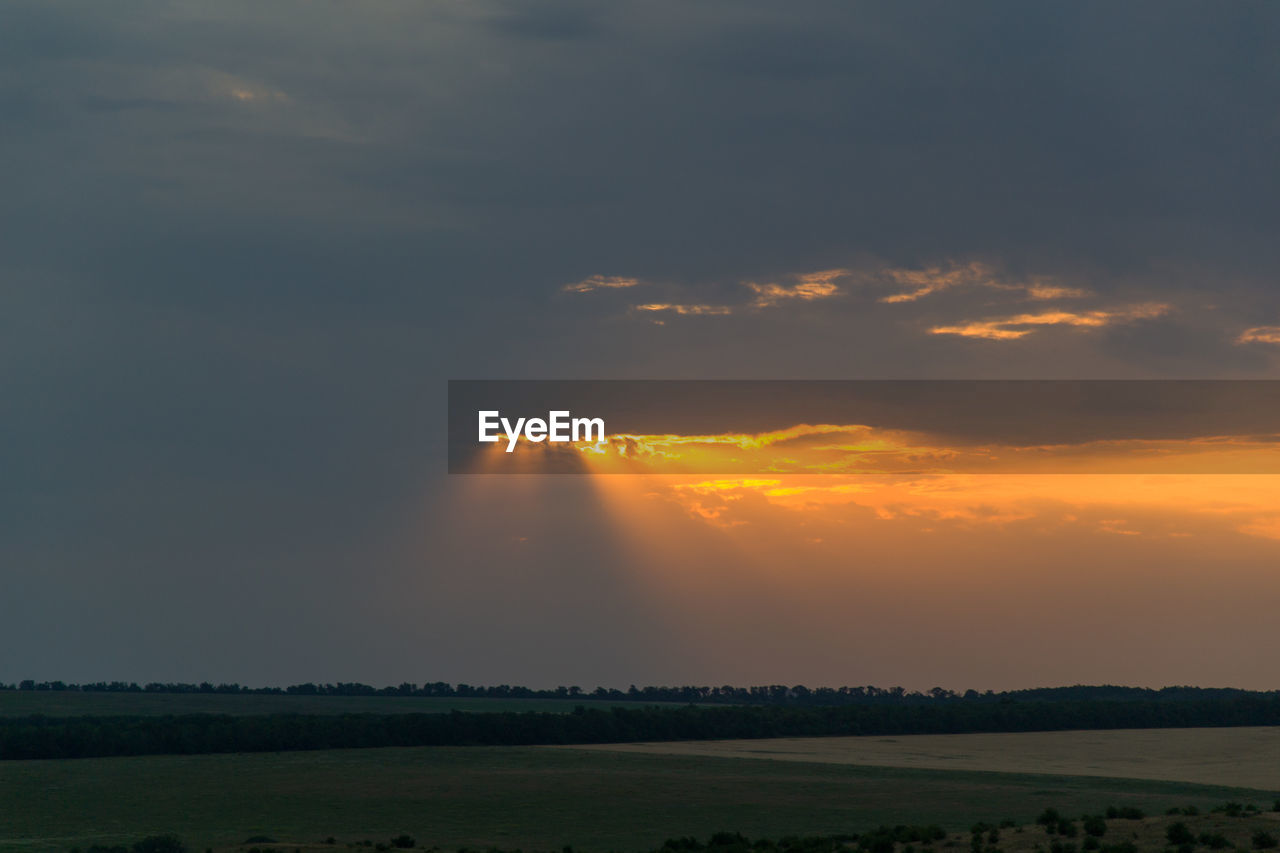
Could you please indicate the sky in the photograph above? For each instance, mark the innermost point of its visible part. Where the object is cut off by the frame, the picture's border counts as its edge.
(244, 247)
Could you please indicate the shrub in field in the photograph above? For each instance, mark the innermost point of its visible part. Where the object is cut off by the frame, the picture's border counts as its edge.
(403, 842)
(1095, 826)
(1214, 841)
(1264, 840)
(1122, 847)
(1177, 833)
(1125, 813)
(160, 844)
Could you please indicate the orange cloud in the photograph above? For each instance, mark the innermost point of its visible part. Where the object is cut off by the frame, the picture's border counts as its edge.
(1021, 325)
(794, 507)
(600, 282)
(810, 286)
(924, 282)
(914, 284)
(841, 450)
(852, 449)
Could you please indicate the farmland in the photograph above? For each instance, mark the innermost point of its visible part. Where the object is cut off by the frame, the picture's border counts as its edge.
(535, 798)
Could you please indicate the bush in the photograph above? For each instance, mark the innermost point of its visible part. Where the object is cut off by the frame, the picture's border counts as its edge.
(1095, 826)
(1091, 842)
(1264, 840)
(1125, 813)
(403, 842)
(1177, 833)
(258, 839)
(1049, 819)
(1216, 841)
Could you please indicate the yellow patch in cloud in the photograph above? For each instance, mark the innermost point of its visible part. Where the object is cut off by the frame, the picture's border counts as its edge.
(1267, 527)
(677, 308)
(709, 486)
(600, 282)
(223, 85)
(1021, 325)
(1260, 335)
(1041, 290)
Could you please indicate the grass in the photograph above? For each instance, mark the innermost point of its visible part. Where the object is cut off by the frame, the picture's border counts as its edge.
(535, 798)
(1245, 756)
(57, 703)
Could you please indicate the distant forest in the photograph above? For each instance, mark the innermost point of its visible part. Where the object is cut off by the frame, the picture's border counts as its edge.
(80, 737)
(774, 694)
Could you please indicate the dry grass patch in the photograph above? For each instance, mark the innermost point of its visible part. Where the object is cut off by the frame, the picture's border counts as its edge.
(1242, 756)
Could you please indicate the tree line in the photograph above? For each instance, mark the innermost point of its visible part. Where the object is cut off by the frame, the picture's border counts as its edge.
(773, 694)
(81, 737)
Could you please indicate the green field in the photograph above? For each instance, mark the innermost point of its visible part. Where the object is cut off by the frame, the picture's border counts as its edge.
(535, 798)
(67, 703)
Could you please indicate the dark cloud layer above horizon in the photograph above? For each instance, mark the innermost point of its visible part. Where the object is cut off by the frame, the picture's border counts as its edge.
(245, 245)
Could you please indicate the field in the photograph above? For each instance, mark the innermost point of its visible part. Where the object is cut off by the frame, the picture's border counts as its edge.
(1245, 756)
(535, 798)
(68, 703)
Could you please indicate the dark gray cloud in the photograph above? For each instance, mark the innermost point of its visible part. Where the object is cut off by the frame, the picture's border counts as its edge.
(245, 245)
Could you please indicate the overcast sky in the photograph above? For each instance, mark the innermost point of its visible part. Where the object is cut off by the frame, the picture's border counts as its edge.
(245, 245)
